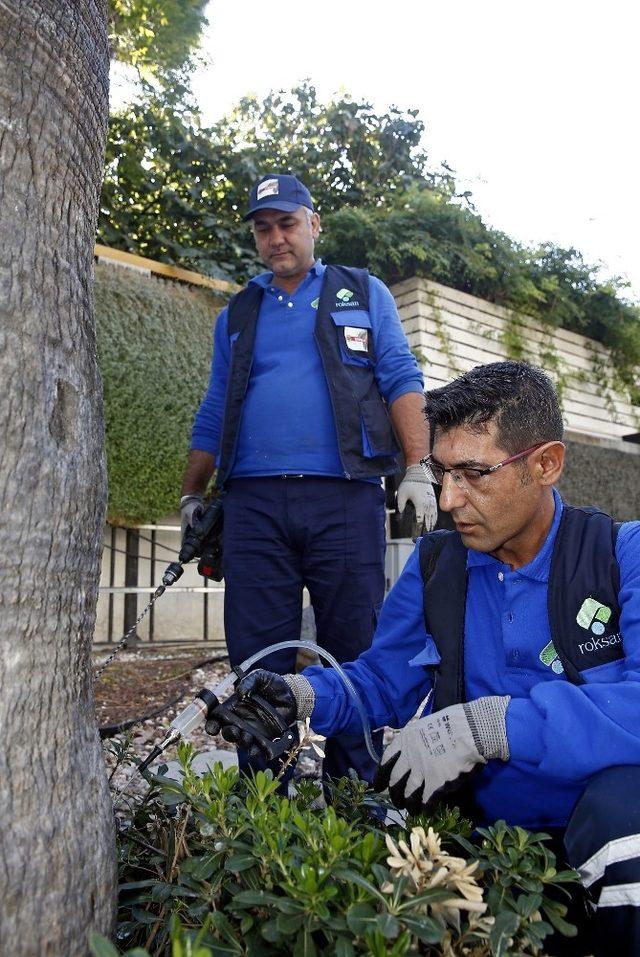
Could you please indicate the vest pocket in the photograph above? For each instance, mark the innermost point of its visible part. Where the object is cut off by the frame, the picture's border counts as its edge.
(354, 336)
(377, 434)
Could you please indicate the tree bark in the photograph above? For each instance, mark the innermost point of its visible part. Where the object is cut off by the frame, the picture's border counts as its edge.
(57, 856)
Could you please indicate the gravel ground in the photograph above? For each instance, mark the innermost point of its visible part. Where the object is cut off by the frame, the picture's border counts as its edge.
(142, 681)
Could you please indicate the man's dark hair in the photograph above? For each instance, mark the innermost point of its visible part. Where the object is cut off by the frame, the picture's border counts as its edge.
(520, 398)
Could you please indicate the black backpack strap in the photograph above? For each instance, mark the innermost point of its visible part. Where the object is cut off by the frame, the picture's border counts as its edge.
(443, 565)
(584, 582)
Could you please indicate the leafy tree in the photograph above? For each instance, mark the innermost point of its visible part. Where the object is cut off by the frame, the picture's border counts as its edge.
(164, 194)
(175, 191)
(156, 36)
(347, 153)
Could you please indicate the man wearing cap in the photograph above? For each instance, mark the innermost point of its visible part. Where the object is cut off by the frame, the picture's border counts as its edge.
(313, 393)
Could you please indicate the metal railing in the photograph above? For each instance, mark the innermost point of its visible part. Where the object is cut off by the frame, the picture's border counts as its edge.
(125, 578)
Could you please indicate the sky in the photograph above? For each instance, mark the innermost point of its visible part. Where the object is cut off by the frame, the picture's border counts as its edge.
(534, 105)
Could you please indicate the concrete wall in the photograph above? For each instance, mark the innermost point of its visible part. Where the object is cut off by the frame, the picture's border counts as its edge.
(454, 332)
(605, 475)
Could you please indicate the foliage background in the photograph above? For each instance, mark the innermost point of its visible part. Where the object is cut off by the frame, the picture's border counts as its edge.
(175, 191)
(158, 37)
(154, 345)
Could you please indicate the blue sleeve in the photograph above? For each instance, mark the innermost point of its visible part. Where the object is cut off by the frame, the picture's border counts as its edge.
(207, 426)
(572, 731)
(396, 369)
(390, 687)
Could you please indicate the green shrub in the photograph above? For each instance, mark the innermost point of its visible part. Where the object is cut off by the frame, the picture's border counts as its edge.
(154, 348)
(247, 872)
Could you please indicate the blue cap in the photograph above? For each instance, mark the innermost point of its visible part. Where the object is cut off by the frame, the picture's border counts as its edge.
(278, 191)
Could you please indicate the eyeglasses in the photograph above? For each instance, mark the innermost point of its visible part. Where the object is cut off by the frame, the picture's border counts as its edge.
(468, 478)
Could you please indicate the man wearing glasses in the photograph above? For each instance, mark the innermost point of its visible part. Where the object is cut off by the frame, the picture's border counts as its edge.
(523, 628)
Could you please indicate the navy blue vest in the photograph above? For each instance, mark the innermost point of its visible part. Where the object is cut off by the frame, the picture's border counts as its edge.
(582, 599)
(356, 402)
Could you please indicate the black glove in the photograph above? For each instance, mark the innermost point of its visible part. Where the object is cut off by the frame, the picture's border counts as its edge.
(291, 695)
(253, 723)
(274, 688)
(220, 721)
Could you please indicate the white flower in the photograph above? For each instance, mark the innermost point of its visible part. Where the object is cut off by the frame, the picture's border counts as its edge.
(426, 865)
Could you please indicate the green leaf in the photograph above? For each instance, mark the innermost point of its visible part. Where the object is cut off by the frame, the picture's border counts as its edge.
(101, 947)
(344, 948)
(388, 926)
(528, 904)
(251, 898)
(269, 930)
(361, 918)
(240, 862)
(555, 913)
(134, 885)
(289, 923)
(304, 945)
(424, 928)
(505, 926)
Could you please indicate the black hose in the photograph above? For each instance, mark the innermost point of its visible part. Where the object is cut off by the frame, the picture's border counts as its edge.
(110, 730)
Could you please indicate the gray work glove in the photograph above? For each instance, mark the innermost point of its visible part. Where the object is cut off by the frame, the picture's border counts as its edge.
(292, 695)
(191, 508)
(415, 487)
(434, 754)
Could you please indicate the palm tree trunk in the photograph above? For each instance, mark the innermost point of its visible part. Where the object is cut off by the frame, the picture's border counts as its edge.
(57, 858)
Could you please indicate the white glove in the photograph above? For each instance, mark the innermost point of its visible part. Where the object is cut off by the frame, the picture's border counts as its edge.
(434, 753)
(415, 487)
(190, 509)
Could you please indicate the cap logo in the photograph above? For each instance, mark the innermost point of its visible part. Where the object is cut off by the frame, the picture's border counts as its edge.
(269, 187)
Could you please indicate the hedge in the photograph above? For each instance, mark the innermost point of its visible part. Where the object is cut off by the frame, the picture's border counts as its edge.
(154, 348)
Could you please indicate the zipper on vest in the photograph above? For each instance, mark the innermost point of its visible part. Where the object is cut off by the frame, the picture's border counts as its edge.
(232, 457)
(333, 408)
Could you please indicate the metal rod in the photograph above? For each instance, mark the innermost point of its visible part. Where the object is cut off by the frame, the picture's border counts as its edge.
(112, 571)
(146, 589)
(131, 580)
(152, 578)
(205, 622)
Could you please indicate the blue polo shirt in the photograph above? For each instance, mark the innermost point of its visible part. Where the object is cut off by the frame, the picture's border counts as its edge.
(287, 422)
(559, 733)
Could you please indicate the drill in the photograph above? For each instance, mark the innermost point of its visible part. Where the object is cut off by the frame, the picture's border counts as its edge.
(202, 540)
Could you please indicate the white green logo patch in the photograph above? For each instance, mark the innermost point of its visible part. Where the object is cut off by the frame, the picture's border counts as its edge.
(344, 295)
(315, 302)
(593, 616)
(549, 657)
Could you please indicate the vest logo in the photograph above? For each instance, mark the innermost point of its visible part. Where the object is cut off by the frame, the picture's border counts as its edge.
(598, 644)
(549, 657)
(315, 302)
(593, 616)
(344, 295)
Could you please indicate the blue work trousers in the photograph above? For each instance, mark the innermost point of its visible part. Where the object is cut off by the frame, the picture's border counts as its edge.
(602, 842)
(282, 534)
